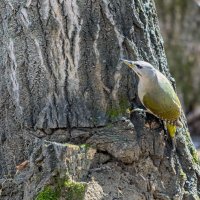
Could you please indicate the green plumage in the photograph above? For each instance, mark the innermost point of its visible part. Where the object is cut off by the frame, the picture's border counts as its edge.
(157, 94)
(161, 99)
(161, 104)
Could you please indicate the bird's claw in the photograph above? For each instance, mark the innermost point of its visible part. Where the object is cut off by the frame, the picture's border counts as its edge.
(141, 111)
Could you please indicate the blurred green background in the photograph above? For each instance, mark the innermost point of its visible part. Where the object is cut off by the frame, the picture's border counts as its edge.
(180, 27)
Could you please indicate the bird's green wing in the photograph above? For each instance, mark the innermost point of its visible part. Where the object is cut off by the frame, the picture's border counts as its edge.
(162, 105)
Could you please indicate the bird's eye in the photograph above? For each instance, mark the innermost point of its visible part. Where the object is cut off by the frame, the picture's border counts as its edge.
(139, 66)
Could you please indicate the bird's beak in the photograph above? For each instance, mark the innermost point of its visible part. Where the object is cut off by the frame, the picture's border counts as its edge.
(128, 62)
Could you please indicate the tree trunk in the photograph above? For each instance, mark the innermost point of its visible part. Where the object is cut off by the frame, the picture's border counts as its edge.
(62, 82)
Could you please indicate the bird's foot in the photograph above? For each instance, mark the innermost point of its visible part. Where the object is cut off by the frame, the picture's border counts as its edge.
(129, 111)
(141, 111)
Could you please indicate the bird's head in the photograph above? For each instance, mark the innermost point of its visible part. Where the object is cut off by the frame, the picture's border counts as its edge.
(141, 68)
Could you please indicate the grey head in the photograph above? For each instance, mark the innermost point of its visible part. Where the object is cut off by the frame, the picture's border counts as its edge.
(141, 68)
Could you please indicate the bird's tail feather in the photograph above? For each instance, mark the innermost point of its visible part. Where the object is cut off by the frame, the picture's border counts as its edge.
(171, 130)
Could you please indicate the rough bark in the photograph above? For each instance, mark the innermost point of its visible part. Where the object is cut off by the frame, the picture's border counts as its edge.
(62, 82)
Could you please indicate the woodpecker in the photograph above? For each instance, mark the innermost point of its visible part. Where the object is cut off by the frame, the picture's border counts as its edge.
(157, 95)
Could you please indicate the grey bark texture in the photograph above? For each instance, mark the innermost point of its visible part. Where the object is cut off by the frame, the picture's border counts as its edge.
(62, 83)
